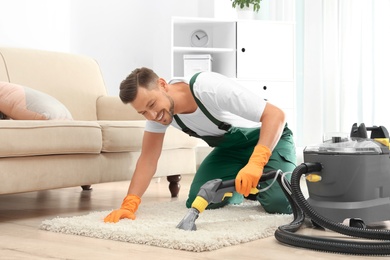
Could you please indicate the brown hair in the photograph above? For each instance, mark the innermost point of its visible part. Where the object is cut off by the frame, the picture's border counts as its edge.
(141, 77)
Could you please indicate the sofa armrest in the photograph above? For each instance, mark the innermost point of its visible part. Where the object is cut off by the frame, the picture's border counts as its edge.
(112, 108)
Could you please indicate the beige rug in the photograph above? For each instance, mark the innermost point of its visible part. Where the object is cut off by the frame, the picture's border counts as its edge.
(156, 226)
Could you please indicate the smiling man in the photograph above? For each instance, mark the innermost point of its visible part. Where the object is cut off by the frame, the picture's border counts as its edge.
(249, 135)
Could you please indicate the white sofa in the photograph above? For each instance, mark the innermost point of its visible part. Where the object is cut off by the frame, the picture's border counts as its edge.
(101, 144)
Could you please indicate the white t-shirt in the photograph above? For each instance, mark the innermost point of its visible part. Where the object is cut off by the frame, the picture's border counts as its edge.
(225, 99)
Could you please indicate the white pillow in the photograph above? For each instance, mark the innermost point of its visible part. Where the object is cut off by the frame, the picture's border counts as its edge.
(24, 103)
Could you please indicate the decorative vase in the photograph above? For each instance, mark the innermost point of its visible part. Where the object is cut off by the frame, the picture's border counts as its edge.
(246, 13)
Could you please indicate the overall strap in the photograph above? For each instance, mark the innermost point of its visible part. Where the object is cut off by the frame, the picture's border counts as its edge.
(185, 129)
(221, 125)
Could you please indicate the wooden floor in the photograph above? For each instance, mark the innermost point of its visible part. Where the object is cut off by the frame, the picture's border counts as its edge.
(21, 215)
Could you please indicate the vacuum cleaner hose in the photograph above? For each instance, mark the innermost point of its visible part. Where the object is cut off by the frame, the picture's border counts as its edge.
(285, 234)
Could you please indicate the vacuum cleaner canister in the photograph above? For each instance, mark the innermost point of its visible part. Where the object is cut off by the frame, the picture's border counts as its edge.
(355, 180)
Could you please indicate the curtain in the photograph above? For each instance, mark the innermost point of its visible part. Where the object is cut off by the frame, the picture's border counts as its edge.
(346, 68)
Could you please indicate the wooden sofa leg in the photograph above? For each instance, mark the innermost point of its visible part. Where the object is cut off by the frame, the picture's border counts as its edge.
(86, 187)
(174, 185)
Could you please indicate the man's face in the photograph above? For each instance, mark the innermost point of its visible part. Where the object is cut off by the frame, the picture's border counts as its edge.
(155, 105)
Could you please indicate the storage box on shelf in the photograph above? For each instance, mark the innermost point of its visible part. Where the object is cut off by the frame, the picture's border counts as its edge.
(196, 63)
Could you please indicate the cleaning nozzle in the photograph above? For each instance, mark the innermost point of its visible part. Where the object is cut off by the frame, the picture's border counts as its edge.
(188, 222)
(211, 191)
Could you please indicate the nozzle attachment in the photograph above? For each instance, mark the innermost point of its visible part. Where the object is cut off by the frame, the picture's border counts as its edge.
(199, 204)
(213, 191)
(188, 222)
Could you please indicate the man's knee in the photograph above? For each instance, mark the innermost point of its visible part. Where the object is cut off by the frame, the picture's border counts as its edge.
(280, 205)
(274, 200)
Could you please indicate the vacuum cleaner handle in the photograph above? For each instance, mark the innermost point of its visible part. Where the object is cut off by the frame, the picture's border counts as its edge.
(215, 191)
(376, 131)
(265, 177)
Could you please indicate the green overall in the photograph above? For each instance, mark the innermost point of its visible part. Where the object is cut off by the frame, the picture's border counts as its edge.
(231, 153)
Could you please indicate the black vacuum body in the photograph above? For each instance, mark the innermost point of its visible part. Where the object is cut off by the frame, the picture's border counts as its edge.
(355, 176)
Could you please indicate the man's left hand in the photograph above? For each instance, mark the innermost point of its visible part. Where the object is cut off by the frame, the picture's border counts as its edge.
(249, 176)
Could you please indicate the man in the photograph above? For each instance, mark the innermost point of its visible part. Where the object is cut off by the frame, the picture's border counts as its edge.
(249, 134)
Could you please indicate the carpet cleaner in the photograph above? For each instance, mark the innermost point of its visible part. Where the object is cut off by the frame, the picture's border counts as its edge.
(214, 191)
(347, 178)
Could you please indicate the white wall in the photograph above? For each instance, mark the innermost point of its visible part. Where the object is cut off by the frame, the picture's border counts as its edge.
(123, 35)
(40, 24)
(120, 34)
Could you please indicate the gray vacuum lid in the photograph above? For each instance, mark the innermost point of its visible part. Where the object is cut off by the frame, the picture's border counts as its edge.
(347, 146)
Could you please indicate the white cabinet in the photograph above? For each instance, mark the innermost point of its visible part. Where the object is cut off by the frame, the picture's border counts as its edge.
(265, 50)
(266, 62)
(279, 93)
(258, 54)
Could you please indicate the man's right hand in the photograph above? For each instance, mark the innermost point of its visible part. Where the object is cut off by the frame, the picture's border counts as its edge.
(127, 210)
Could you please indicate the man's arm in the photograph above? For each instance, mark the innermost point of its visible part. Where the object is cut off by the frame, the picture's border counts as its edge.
(272, 124)
(143, 174)
(147, 163)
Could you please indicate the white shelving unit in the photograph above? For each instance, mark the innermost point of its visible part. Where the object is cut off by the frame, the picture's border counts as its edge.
(258, 54)
(221, 45)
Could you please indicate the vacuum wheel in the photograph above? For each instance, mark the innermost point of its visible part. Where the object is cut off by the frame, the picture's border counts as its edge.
(357, 223)
(315, 225)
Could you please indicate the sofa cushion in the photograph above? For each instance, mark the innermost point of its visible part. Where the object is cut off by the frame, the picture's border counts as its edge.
(112, 108)
(43, 137)
(24, 103)
(120, 136)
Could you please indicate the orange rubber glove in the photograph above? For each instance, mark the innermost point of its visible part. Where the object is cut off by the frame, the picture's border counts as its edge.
(127, 210)
(249, 176)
